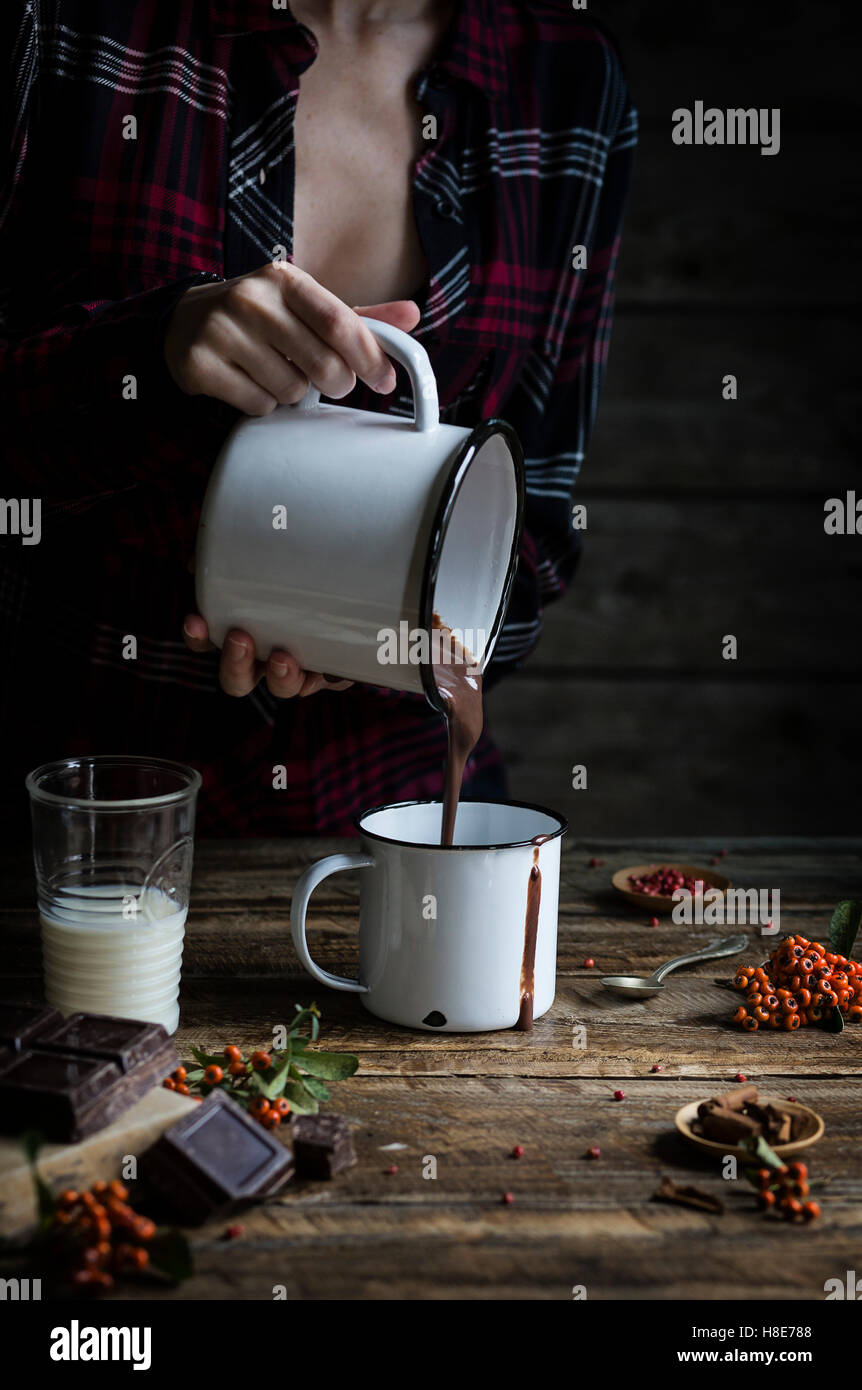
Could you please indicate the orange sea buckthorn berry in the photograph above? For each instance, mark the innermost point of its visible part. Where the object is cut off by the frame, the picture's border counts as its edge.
(182, 1089)
(232, 1053)
(791, 1022)
(261, 1060)
(761, 1014)
(764, 1177)
(791, 1207)
(281, 1106)
(179, 1074)
(754, 997)
(237, 1068)
(855, 1012)
(741, 1013)
(144, 1228)
(69, 1198)
(775, 1018)
(259, 1107)
(811, 1211)
(804, 997)
(789, 1005)
(765, 1200)
(750, 1024)
(169, 1083)
(117, 1189)
(213, 1075)
(798, 1170)
(272, 1119)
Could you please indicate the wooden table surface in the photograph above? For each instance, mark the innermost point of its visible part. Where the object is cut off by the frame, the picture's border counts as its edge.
(466, 1100)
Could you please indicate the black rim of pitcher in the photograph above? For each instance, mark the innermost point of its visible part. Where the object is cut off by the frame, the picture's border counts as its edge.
(462, 462)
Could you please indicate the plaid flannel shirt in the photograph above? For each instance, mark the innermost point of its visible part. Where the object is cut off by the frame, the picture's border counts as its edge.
(102, 233)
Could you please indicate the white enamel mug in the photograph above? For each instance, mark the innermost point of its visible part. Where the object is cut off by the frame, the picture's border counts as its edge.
(324, 526)
(445, 940)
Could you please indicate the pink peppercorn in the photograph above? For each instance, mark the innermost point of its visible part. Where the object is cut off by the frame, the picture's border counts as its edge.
(589, 963)
(594, 1152)
(653, 921)
(656, 1066)
(234, 1232)
(508, 1198)
(619, 1095)
(740, 1076)
(390, 1171)
(518, 1151)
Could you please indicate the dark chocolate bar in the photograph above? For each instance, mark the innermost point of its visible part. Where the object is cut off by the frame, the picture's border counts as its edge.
(70, 1079)
(124, 1041)
(216, 1161)
(21, 1022)
(322, 1145)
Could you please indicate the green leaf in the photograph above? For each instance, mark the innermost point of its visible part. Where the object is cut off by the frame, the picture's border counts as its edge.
(46, 1202)
(760, 1151)
(273, 1087)
(170, 1255)
(833, 1022)
(194, 1076)
(301, 1100)
(207, 1059)
(332, 1066)
(317, 1088)
(844, 926)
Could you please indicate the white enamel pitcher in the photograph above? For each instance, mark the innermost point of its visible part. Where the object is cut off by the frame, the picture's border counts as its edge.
(338, 534)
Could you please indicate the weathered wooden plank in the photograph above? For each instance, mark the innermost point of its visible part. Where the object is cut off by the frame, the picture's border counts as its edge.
(686, 756)
(664, 429)
(676, 52)
(573, 1221)
(661, 584)
(723, 225)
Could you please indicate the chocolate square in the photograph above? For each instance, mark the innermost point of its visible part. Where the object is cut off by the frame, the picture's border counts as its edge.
(59, 1094)
(215, 1161)
(78, 1075)
(322, 1145)
(124, 1041)
(20, 1023)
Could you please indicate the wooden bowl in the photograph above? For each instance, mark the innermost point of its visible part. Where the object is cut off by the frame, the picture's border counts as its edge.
(659, 904)
(813, 1130)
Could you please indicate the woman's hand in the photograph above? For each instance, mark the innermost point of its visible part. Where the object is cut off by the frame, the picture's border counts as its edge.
(258, 340)
(240, 671)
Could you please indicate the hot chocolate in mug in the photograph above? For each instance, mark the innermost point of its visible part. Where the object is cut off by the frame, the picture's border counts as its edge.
(459, 938)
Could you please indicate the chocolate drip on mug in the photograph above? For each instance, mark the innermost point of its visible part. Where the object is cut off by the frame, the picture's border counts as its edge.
(460, 684)
(531, 932)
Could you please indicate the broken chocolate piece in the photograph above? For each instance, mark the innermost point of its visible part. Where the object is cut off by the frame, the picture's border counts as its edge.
(216, 1161)
(322, 1145)
(124, 1041)
(20, 1023)
(669, 1191)
(70, 1079)
(61, 1095)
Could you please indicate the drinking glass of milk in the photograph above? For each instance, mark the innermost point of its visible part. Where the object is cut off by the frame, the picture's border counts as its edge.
(112, 844)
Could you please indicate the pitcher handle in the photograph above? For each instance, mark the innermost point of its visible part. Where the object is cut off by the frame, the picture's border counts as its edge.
(415, 360)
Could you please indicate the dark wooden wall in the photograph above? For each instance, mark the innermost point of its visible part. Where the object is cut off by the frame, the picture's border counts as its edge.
(705, 517)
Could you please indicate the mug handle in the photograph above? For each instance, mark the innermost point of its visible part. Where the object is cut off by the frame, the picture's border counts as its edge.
(306, 885)
(414, 358)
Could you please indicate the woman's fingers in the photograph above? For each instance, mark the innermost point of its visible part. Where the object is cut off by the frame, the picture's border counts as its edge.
(196, 634)
(338, 328)
(401, 313)
(313, 682)
(239, 671)
(284, 675)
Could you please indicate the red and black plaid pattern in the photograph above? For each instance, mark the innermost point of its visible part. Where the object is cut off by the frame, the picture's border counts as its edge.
(149, 146)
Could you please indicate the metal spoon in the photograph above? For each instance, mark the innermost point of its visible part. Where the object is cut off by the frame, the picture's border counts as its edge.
(642, 986)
